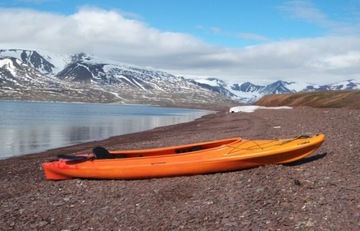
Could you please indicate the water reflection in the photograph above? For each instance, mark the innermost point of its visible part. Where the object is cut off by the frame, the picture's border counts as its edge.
(32, 132)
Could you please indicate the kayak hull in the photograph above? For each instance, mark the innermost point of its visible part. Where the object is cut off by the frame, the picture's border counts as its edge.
(192, 159)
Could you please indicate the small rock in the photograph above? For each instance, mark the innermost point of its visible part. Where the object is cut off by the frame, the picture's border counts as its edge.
(297, 182)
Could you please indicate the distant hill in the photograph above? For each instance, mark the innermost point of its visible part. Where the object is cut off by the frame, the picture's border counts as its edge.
(319, 99)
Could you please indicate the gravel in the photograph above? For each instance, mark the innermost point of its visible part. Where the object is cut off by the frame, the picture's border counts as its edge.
(320, 192)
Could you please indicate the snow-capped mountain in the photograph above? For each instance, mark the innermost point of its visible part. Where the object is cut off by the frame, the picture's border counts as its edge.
(344, 85)
(248, 92)
(42, 75)
(39, 75)
(43, 61)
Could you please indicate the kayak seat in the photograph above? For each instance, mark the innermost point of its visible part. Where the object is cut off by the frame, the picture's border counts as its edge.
(101, 153)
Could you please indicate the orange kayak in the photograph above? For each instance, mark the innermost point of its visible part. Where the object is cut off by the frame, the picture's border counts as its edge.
(191, 159)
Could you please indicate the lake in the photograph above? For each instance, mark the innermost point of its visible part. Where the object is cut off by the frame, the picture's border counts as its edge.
(30, 127)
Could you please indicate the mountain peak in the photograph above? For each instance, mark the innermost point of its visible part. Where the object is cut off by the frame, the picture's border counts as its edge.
(82, 56)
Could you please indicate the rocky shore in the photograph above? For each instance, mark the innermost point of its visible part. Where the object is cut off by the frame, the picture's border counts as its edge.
(320, 192)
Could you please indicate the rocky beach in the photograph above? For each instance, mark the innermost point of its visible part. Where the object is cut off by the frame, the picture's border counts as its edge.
(320, 192)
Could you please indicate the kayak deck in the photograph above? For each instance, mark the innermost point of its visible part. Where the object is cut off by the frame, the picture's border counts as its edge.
(199, 158)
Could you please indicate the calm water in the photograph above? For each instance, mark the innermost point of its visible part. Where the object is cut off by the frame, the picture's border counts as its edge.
(28, 127)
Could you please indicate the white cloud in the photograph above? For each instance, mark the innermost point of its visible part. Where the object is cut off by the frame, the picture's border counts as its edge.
(112, 35)
(305, 10)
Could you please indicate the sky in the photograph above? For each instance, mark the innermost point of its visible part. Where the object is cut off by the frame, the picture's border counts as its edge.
(261, 41)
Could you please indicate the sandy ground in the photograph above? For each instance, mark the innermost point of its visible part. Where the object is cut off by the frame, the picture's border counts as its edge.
(318, 193)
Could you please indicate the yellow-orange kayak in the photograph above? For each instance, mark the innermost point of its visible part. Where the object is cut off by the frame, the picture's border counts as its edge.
(190, 159)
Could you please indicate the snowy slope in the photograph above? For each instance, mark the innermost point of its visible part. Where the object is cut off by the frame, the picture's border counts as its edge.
(44, 61)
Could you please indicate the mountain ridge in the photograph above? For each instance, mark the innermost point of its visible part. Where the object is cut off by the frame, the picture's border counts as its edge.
(38, 75)
(32, 75)
(248, 92)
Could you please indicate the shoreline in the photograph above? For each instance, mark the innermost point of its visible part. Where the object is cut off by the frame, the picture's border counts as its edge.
(319, 193)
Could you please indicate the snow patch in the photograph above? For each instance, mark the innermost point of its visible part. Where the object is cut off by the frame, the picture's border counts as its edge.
(253, 108)
(116, 94)
(7, 64)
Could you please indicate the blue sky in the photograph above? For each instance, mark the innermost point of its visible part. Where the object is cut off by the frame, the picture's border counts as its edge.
(312, 41)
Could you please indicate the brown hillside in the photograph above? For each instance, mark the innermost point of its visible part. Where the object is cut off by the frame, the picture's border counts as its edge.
(319, 99)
